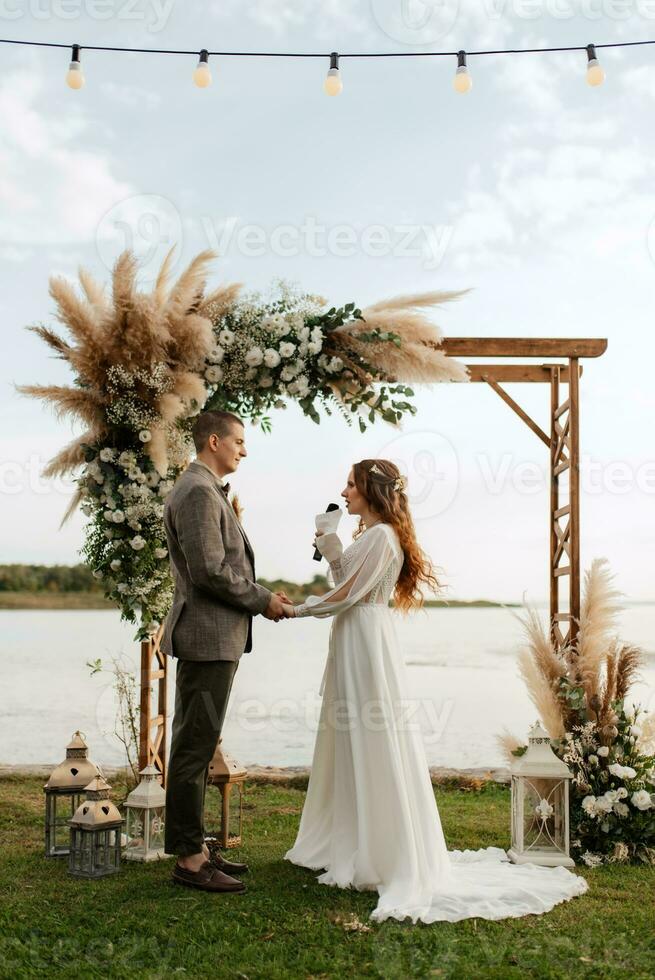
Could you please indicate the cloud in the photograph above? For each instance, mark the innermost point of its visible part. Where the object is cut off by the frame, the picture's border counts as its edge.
(53, 189)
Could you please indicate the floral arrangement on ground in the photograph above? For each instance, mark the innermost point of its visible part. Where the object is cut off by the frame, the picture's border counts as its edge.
(146, 363)
(581, 693)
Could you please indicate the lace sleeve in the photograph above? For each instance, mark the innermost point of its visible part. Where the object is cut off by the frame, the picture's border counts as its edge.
(362, 565)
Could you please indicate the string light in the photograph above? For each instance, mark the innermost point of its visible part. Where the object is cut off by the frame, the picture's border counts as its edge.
(462, 82)
(595, 73)
(333, 84)
(202, 75)
(75, 75)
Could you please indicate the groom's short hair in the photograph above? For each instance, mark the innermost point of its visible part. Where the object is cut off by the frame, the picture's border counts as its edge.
(212, 423)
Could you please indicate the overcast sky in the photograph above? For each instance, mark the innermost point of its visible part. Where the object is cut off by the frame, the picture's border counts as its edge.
(534, 189)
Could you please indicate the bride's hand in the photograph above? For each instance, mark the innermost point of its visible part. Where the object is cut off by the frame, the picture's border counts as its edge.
(317, 535)
(289, 611)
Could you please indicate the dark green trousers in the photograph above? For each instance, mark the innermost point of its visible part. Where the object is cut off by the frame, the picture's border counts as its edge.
(202, 691)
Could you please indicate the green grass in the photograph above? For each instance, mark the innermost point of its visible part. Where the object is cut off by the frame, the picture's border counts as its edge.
(138, 924)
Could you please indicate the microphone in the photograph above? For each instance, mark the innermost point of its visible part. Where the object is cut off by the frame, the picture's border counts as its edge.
(328, 510)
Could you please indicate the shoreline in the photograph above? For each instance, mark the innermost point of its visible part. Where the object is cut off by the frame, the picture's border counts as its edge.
(296, 777)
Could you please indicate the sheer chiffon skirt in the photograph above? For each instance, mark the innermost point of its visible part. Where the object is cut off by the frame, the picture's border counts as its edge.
(370, 820)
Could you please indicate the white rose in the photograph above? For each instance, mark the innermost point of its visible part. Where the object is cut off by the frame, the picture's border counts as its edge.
(145, 435)
(109, 532)
(287, 349)
(268, 323)
(621, 809)
(604, 804)
(226, 337)
(254, 357)
(622, 772)
(121, 587)
(593, 760)
(216, 355)
(641, 799)
(302, 385)
(287, 373)
(303, 347)
(266, 381)
(603, 751)
(160, 552)
(108, 515)
(314, 347)
(107, 455)
(271, 357)
(589, 805)
(304, 333)
(251, 373)
(118, 517)
(214, 374)
(137, 542)
(97, 573)
(115, 564)
(317, 335)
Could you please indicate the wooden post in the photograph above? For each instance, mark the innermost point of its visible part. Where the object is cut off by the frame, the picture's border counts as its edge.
(152, 717)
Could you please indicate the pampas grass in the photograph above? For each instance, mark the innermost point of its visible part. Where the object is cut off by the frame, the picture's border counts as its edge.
(418, 358)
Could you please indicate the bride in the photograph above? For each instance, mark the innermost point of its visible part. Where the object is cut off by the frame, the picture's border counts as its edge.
(370, 819)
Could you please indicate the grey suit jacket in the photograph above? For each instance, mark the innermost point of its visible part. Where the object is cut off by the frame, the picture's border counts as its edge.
(213, 568)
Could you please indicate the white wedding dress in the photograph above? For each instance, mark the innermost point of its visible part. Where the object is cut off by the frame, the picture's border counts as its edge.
(370, 818)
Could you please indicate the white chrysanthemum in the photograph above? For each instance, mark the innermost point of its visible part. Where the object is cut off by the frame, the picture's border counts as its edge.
(603, 751)
(160, 552)
(641, 799)
(127, 459)
(145, 435)
(115, 564)
(271, 357)
(287, 349)
(214, 374)
(226, 337)
(137, 542)
(216, 355)
(152, 479)
(254, 357)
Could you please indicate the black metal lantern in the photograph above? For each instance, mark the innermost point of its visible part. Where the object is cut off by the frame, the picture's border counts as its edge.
(63, 795)
(95, 834)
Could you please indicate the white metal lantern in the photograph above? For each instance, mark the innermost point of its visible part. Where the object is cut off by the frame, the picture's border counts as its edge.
(540, 805)
(145, 810)
(95, 841)
(63, 794)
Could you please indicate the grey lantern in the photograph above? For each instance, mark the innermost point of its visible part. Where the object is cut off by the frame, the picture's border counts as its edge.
(63, 794)
(95, 829)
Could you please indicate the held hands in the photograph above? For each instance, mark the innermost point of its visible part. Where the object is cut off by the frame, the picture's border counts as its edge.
(279, 607)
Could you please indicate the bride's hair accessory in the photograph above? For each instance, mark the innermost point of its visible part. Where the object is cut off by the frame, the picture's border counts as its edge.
(399, 484)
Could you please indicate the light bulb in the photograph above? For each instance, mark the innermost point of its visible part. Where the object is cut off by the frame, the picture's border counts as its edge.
(202, 75)
(462, 82)
(333, 84)
(595, 73)
(75, 75)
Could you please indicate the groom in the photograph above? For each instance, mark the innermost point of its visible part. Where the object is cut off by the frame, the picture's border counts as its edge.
(208, 628)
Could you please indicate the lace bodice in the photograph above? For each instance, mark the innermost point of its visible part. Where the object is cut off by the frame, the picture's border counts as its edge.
(365, 573)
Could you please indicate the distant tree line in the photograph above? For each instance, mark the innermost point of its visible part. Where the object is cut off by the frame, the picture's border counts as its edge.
(78, 578)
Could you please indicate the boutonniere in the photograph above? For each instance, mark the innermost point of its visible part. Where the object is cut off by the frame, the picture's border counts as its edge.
(236, 507)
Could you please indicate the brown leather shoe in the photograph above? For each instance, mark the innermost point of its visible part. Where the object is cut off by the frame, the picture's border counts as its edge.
(207, 878)
(227, 867)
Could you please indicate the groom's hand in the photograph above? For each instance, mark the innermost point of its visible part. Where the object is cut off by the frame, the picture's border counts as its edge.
(274, 609)
(283, 596)
(289, 611)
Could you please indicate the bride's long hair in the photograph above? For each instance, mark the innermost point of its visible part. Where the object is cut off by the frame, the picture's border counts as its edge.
(379, 489)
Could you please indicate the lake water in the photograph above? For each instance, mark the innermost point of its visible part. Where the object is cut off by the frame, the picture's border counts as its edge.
(463, 684)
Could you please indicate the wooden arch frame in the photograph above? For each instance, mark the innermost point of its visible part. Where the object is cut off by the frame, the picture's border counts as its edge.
(563, 442)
